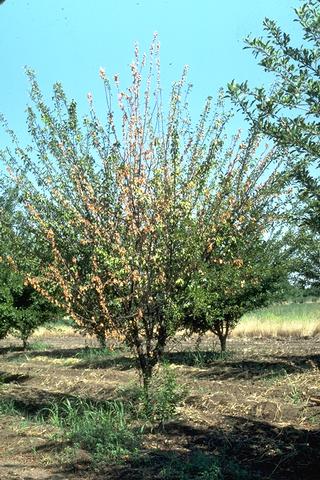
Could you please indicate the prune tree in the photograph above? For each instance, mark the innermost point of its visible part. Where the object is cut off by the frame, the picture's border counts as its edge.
(243, 265)
(226, 289)
(123, 207)
(22, 309)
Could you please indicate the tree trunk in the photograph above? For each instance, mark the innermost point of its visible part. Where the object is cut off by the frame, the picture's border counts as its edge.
(223, 342)
(146, 377)
(102, 339)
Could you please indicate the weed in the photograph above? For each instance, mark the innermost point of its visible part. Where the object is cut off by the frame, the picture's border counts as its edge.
(8, 407)
(163, 397)
(201, 466)
(34, 346)
(102, 430)
(275, 375)
(92, 354)
(314, 419)
(295, 395)
(201, 358)
(159, 404)
(19, 358)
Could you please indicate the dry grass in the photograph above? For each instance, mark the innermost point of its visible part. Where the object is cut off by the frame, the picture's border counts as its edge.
(54, 330)
(287, 320)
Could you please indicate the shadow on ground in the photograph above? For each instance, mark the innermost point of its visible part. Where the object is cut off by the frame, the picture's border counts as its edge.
(238, 449)
(17, 378)
(87, 357)
(214, 366)
(243, 449)
(32, 402)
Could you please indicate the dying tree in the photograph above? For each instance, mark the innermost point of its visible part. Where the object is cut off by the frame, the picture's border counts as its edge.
(124, 207)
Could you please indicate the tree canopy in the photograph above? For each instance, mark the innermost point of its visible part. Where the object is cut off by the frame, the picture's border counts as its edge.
(288, 112)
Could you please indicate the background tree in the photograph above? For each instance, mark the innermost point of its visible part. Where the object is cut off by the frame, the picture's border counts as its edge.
(223, 293)
(6, 313)
(243, 265)
(22, 309)
(289, 112)
(303, 250)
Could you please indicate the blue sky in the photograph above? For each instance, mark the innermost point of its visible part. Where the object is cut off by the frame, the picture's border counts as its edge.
(69, 40)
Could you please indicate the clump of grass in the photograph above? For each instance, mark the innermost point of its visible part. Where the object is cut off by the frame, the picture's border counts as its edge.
(104, 431)
(285, 320)
(295, 395)
(201, 466)
(92, 354)
(200, 358)
(275, 375)
(34, 346)
(8, 407)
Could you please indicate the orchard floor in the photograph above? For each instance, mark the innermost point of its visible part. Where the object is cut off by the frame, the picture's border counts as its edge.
(258, 407)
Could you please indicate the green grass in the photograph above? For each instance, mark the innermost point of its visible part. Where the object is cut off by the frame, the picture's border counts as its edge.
(35, 346)
(201, 466)
(104, 431)
(292, 319)
(92, 354)
(8, 407)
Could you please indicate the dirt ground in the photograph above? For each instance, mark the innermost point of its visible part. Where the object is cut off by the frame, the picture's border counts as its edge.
(259, 406)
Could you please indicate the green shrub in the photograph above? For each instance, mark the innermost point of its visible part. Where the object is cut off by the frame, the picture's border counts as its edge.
(158, 404)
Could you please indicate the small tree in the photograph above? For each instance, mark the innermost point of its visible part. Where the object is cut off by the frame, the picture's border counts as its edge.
(6, 312)
(126, 207)
(227, 288)
(30, 311)
(22, 309)
(242, 265)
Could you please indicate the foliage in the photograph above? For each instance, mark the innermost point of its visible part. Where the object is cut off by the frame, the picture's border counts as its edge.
(30, 311)
(22, 309)
(303, 248)
(289, 112)
(6, 312)
(127, 209)
(244, 266)
(289, 115)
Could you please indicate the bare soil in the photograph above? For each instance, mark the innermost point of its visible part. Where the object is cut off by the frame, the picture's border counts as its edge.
(259, 406)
